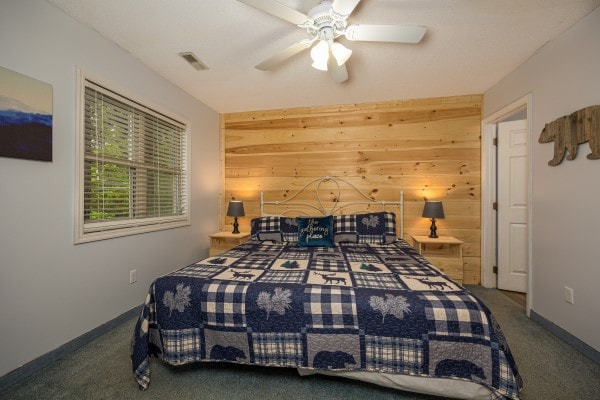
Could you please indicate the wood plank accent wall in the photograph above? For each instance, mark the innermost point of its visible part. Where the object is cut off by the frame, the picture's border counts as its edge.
(430, 148)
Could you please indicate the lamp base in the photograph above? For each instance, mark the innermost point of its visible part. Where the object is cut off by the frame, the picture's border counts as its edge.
(433, 229)
(235, 226)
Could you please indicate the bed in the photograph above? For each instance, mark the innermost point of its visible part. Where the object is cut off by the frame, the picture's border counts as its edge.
(331, 293)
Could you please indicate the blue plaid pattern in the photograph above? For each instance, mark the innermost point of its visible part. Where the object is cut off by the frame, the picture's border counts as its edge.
(362, 257)
(456, 314)
(377, 281)
(278, 348)
(330, 307)
(142, 374)
(198, 271)
(181, 346)
(410, 269)
(270, 248)
(294, 255)
(370, 238)
(318, 249)
(389, 223)
(225, 304)
(290, 236)
(508, 382)
(257, 264)
(234, 253)
(328, 265)
(344, 223)
(283, 276)
(394, 354)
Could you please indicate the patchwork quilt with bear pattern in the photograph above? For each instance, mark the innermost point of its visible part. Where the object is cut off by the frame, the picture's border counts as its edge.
(354, 306)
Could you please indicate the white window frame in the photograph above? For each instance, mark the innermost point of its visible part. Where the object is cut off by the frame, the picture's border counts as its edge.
(120, 228)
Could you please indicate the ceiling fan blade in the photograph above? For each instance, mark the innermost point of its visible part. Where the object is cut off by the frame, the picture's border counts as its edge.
(344, 7)
(277, 9)
(386, 33)
(339, 73)
(284, 54)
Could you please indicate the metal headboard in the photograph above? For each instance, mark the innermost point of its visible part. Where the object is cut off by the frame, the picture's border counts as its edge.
(337, 208)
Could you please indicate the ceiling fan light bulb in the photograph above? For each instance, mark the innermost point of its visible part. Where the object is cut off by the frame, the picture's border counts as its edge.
(320, 55)
(321, 66)
(341, 53)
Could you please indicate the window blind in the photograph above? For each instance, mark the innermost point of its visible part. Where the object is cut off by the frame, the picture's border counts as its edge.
(134, 164)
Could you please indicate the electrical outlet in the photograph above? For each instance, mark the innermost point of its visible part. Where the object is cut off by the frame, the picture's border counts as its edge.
(133, 276)
(569, 295)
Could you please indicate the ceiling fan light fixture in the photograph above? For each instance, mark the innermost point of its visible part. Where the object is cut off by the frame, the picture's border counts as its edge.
(341, 53)
(325, 22)
(321, 66)
(320, 54)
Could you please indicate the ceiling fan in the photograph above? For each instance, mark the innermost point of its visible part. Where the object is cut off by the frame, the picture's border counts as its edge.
(324, 23)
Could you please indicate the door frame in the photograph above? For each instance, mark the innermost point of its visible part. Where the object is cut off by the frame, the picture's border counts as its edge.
(488, 192)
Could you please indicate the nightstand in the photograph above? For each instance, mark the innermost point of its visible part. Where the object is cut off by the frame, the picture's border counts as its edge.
(444, 252)
(223, 241)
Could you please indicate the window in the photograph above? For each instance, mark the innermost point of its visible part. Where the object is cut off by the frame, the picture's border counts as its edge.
(133, 170)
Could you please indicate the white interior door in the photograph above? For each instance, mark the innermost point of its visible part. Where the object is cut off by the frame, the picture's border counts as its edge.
(513, 200)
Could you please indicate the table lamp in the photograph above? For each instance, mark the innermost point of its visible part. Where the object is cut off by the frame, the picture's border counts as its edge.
(235, 210)
(433, 210)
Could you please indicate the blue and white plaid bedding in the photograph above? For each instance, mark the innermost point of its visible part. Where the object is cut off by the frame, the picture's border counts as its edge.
(352, 307)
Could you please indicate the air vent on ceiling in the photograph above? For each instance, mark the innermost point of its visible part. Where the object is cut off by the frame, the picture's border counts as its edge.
(194, 61)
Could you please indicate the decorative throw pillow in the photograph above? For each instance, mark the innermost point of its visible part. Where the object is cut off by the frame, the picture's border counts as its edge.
(374, 228)
(315, 231)
(289, 229)
(271, 226)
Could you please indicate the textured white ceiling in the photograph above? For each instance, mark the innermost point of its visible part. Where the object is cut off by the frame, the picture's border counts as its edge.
(469, 46)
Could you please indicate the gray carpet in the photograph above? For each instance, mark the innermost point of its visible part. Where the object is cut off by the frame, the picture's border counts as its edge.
(550, 368)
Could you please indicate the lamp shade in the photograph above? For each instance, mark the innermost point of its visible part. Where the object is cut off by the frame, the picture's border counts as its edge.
(235, 209)
(433, 209)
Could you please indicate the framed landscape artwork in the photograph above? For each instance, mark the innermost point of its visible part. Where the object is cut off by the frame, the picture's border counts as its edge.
(25, 117)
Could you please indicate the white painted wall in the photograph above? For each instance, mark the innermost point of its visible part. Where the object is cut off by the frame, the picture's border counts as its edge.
(52, 291)
(563, 77)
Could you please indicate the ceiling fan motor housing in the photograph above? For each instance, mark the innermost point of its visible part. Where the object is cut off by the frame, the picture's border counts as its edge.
(323, 23)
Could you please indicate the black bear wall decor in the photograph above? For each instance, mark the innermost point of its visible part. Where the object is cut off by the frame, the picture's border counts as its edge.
(570, 131)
